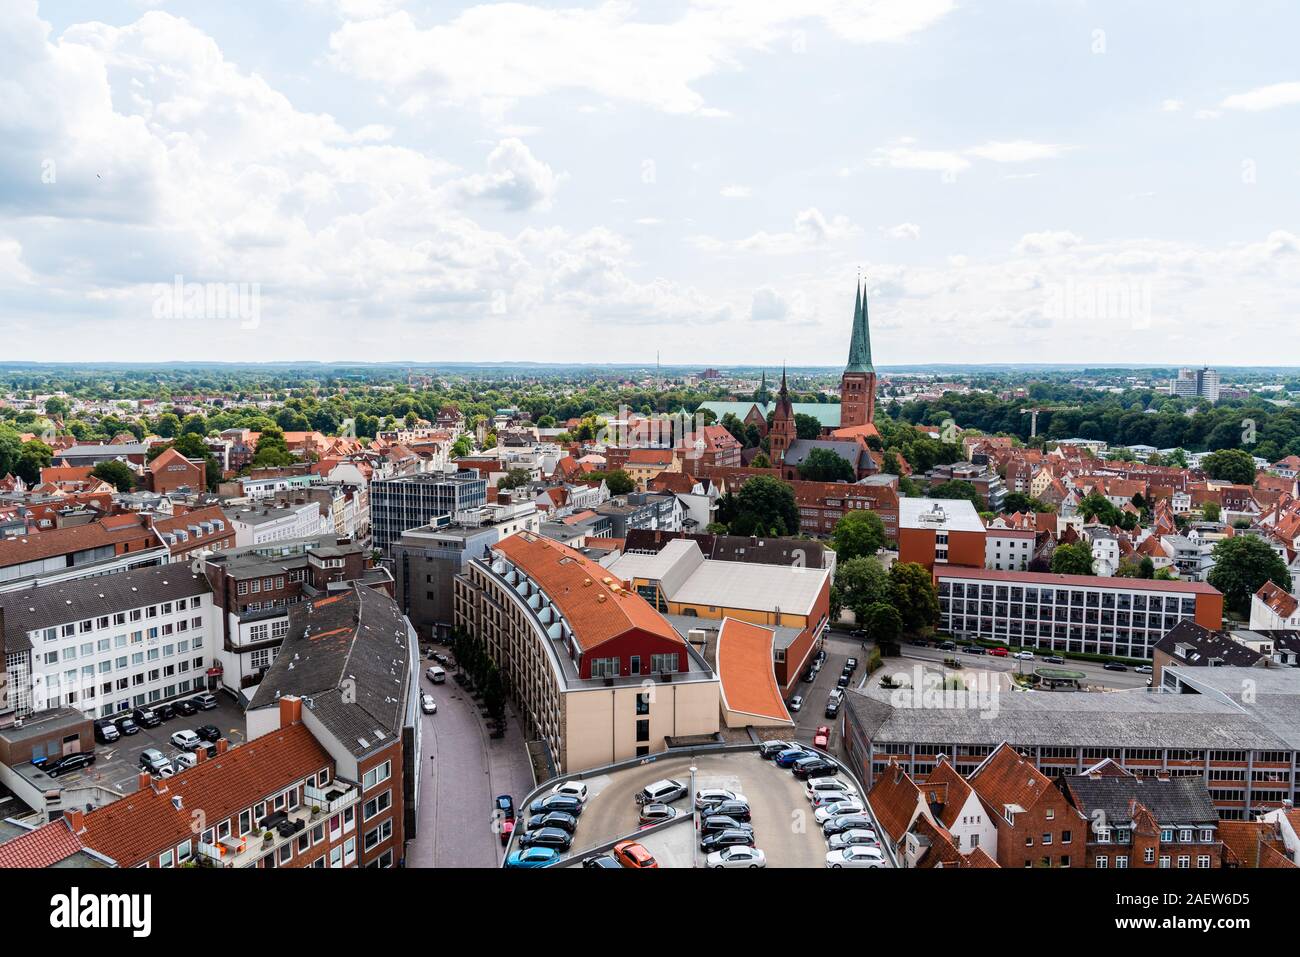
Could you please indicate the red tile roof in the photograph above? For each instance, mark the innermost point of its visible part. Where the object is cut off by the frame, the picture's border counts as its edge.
(597, 606)
(1279, 601)
(896, 800)
(140, 826)
(43, 847)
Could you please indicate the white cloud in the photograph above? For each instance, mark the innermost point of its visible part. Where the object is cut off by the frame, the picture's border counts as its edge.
(1017, 151)
(495, 55)
(735, 191)
(904, 153)
(1171, 106)
(1264, 98)
(902, 231)
(515, 178)
(812, 230)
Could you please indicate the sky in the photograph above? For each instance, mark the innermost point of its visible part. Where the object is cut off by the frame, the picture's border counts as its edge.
(379, 180)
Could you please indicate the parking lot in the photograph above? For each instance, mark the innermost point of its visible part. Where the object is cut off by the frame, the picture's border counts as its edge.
(812, 715)
(117, 765)
(782, 816)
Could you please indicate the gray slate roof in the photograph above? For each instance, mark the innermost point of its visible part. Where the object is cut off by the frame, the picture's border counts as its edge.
(1184, 800)
(348, 656)
(53, 605)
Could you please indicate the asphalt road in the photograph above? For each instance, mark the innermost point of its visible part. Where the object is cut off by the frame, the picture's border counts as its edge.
(464, 770)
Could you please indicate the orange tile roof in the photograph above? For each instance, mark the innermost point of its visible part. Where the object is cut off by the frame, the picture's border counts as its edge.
(745, 670)
(895, 799)
(597, 607)
(1252, 844)
(140, 826)
(955, 791)
(1279, 601)
(1007, 778)
(43, 847)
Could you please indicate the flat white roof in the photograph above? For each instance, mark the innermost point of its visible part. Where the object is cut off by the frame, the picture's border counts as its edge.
(939, 514)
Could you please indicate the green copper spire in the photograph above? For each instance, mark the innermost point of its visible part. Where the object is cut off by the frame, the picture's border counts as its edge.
(860, 342)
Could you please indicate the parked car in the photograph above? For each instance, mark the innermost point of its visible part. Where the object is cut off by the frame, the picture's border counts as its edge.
(846, 822)
(821, 656)
(106, 731)
(822, 798)
(770, 749)
(657, 813)
(814, 768)
(738, 855)
(184, 760)
(788, 757)
(948, 646)
(847, 805)
(855, 855)
(713, 823)
(728, 838)
(532, 857)
(602, 860)
(185, 708)
(208, 732)
(145, 718)
(574, 789)
(1143, 669)
(634, 855)
(69, 762)
(826, 785)
(710, 796)
(165, 711)
(822, 738)
(561, 819)
(854, 836)
(436, 674)
(428, 705)
(999, 652)
(851, 665)
(156, 763)
(1115, 666)
(1024, 655)
(664, 791)
(205, 701)
(546, 837)
(1053, 660)
(796, 703)
(127, 726)
(505, 807)
(843, 680)
(810, 675)
(442, 659)
(738, 809)
(556, 802)
(974, 649)
(186, 740)
(832, 707)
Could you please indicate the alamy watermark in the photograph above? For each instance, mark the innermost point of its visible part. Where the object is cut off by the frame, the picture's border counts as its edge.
(213, 301)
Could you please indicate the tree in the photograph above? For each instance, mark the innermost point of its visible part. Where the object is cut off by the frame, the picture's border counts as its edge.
(462, 447)
(168, 425)
(823, 465)
(913, 595)
(1097, 507)
(515, 478)
(958, 489)
(761, 461)
(1072, 559)
(115, 473)
(1241, 567)
(860, 583)
(272, 452)
(806, 426)
(764, 505)
(857, 534)
(35, 455)
(1144, 568)
(1020, 502)
(1211, 511)
(882, 623)
(618, 481)
(1230, 465)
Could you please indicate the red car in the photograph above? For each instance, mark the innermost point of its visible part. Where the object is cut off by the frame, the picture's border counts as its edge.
(999, 652)
(822, 738)
(633, 855)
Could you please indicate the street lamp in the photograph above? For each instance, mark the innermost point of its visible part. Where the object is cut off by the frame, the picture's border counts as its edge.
(695, 820)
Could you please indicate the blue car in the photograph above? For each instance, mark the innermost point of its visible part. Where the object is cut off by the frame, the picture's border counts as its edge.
(787, 758)
(532, 857)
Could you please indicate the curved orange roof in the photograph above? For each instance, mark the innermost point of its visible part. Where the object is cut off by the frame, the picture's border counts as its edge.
(745, 670)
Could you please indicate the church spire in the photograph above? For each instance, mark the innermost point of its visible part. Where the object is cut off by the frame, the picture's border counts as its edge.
(860, 341)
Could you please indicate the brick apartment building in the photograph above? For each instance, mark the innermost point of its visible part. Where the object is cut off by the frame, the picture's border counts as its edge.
(939, 532)
(171, 471)
(1036, 825)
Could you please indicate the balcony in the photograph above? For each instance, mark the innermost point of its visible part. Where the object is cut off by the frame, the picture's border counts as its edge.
(246, 851)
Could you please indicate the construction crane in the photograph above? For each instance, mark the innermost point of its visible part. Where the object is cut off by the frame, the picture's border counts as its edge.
(1033, 422)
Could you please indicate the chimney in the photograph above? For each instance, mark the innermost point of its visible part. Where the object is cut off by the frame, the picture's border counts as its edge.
(76, 819)
(200, 755)
(223, 745)
(144, 780)
(290, 710)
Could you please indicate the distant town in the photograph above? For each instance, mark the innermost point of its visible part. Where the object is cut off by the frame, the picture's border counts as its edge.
(995, 620)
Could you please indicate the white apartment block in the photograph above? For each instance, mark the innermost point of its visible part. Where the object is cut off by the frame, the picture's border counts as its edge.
(1008, 549)
(256, 525)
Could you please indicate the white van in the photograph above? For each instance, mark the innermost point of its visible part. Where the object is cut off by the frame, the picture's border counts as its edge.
(436, 675)
(661, 792)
